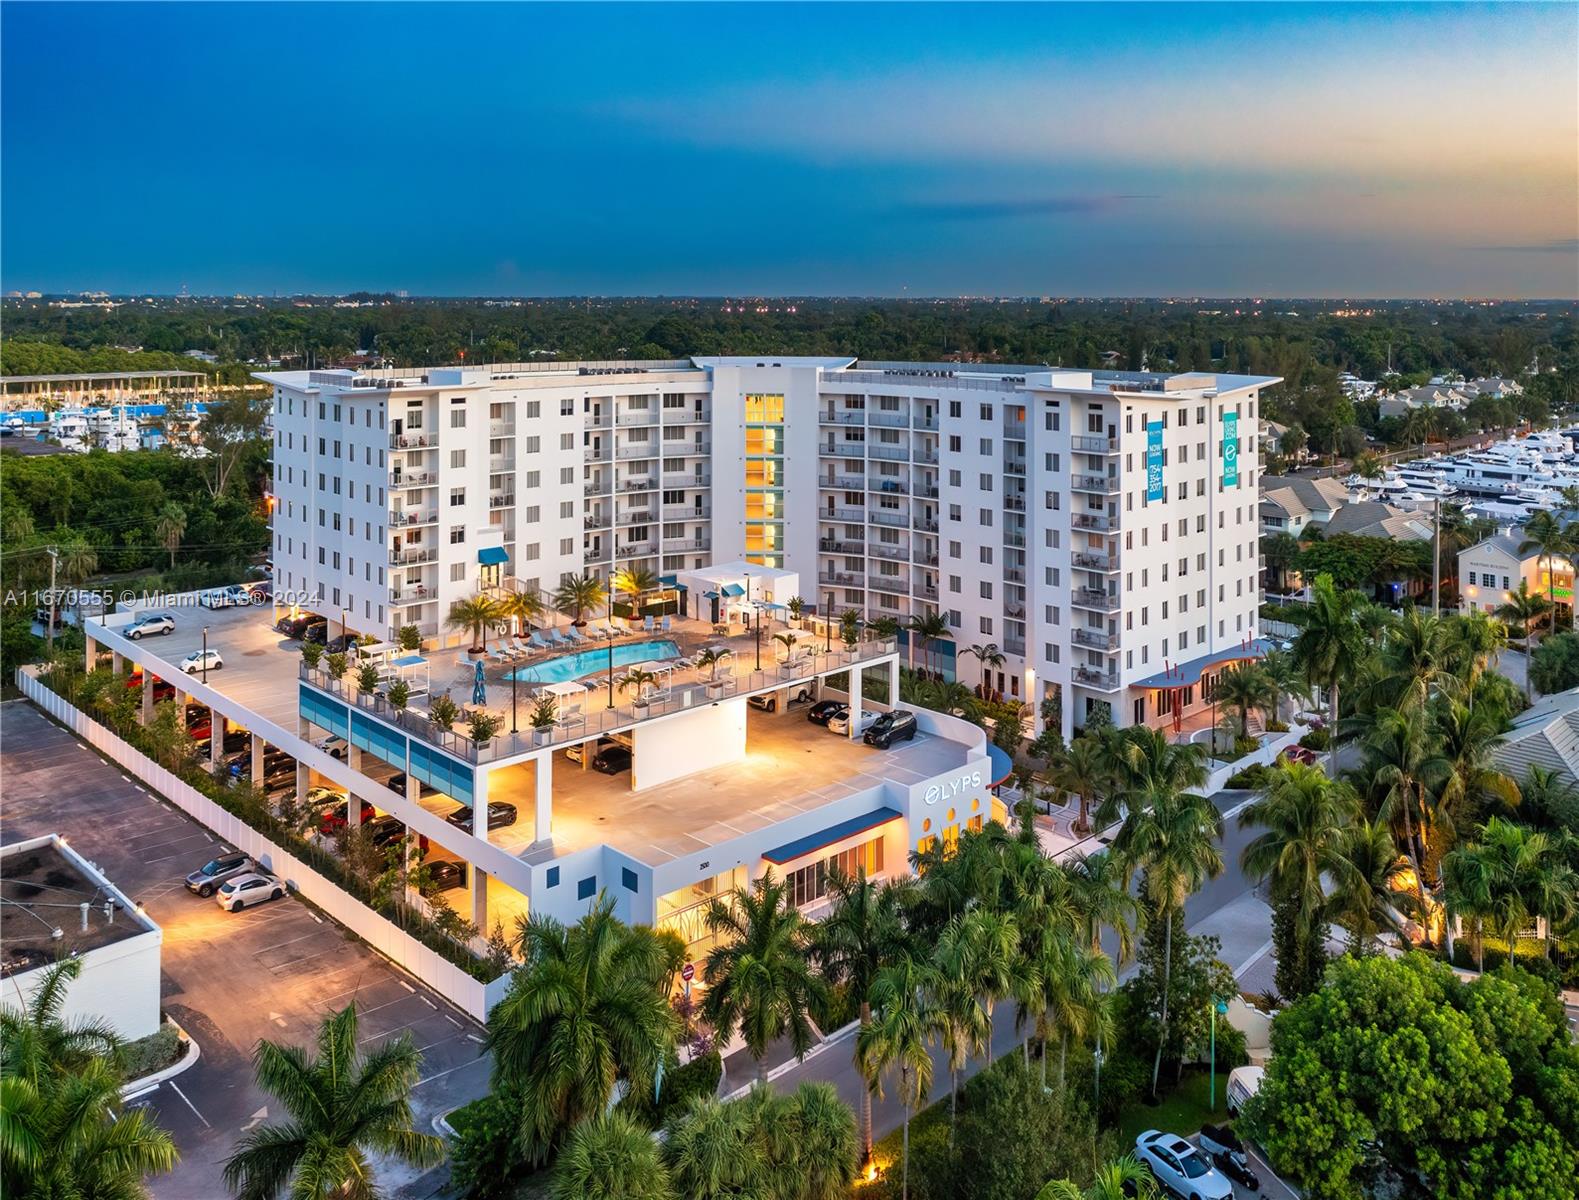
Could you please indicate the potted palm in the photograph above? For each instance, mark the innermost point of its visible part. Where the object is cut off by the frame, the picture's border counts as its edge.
(476, 616)
(796, 607)
(579, 595)
(850, 628)
(544, 716)
(787, 640)
(399, 696)
(638, 679)
(710, 658)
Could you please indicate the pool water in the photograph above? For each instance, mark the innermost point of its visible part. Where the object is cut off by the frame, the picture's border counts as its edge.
(585, 662)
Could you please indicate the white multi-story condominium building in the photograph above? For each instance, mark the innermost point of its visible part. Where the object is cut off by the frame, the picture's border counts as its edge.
(1098, 528)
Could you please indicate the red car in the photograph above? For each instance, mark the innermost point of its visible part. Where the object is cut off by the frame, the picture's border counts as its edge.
(333, 818)
(162, 690)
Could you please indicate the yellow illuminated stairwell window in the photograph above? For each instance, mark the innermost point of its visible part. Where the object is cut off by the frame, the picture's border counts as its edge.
(765, 479)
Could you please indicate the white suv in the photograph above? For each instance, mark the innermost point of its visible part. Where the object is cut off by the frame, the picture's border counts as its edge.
(1180, 1167)
(242, 891)
(148, 623)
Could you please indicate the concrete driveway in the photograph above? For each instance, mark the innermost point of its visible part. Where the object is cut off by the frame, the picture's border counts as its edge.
(228, 979)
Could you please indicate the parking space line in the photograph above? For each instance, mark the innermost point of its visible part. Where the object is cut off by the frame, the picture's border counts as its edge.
(261, 950)
(189, 1104)
(450, 1071)
(453, 1021)
(405, 985)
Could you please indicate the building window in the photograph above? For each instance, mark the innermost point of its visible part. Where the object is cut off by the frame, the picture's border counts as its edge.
(628, 878)
(585, 888)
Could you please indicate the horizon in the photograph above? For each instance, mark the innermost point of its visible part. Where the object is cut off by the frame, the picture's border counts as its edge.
(941, 151)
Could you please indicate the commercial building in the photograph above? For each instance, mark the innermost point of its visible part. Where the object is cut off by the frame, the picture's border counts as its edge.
(1489, 573)
(57, 905)
(1098, 528)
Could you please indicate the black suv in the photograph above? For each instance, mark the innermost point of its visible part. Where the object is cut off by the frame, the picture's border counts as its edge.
(823, 711)
(891, 727)
(500, 814)
(294, 627)
(611, 760)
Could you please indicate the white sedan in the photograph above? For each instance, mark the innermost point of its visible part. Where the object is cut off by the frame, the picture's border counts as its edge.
(1180, 1167)
(334, 745)
(242, 891)
(201, 660)
(840, 722)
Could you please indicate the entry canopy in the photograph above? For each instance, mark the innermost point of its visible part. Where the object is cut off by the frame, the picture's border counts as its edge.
(492, 556)
(1188, 674)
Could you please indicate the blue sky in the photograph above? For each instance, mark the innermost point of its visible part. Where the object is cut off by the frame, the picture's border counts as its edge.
(928, 150)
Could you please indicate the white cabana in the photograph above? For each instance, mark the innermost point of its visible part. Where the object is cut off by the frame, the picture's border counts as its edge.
(727, 591)
(564, 693)
(413, 671)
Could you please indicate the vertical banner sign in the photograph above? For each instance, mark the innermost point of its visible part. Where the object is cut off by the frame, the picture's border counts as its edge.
(1154, 489)
(1230, 449)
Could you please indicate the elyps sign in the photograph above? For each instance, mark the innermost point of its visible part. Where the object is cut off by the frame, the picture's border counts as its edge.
(950, 789)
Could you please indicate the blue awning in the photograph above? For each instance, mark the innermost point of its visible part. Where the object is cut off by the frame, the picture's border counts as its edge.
(410, 660)
(492, 556)
(734, 589)
(790, 851)
(1188, 674)
(672, 581)
(1002, 765)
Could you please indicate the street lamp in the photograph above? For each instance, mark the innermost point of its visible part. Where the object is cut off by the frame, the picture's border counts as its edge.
(827, 627)
(1217, 1006)
(758, 612)
(512, 703)
(610, 636)
(204, 667)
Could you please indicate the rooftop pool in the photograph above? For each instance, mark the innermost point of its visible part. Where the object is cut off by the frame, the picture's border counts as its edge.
(584, 662)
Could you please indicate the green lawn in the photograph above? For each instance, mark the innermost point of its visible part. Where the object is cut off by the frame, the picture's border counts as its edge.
(1182, 1111)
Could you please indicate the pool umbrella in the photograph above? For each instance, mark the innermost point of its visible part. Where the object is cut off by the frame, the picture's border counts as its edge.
(479, 687)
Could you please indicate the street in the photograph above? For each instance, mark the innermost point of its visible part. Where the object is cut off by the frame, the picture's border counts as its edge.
(229, 979)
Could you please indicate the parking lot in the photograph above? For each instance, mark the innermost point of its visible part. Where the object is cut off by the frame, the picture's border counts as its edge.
(229, 979)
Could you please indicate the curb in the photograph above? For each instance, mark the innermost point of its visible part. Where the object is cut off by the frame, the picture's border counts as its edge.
(141, 1087)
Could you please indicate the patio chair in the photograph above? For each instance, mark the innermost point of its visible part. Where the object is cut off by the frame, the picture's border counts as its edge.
(537, 641)
(575, 637)
(646, 624)
(554, 637)
(668, 624)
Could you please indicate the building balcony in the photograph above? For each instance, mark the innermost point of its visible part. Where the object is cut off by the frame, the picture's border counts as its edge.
(501, 428)
(1102, 681)
(1014, 503)
(841, 417)
(1014, 574)
(918, 421)
(1087, 561)
(851, 483)
(640, 450)
(636, 516)
(1014, 466)
(636, 549)
(888, 420)
(894, 520)
(1096, 522)
(595, 521)
(1096, 639)
(596, 487)
(889, 484)
(927, 456)
(1014, 539)
(406, 518)
(1093, 599)
(640, 416)
(595, 454)
(1089, 444)
(924, 524)
(895, 585)
(409, 596)
(638, 483)
(1102, 485)
(841, 579)
(1014, 646)
(413, 441)
(674, 545)
(412, 556)
(840, 546)
(1014, 430)
(413, 479)
(501, 462)
(884, 550)
(888, 453)
(926, 591)
(683, 512)
(501, 500)
(857, 515)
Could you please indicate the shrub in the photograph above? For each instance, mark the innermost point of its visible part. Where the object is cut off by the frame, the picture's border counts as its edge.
(681, 1084)
(155, 1052)
(410, 637)
(336, 665)
(485, 1160)
(443, 710)
(1276, 726)
(1317, 739)
(312, 654)
(1252, 778)
(367, 677)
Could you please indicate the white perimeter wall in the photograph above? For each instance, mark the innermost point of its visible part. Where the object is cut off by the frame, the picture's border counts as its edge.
(706, 737)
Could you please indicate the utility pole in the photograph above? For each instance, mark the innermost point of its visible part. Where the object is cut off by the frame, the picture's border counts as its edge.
(54, 561)
(1436, 557)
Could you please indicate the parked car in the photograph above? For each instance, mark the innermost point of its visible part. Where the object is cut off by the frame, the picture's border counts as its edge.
(225, 597)
(891, 727)
(397, 784)
(162, 690)
(340, 643)
(1243, 1082)
(1226, 1152)
(823, 711)
(199, 722)
(1180, 1167)
(274, 760)
(840, 723)
(500, 814)
(334, 745)
(149, 625)
(200, 660)
(316, 631)
(769, 701)
(261, 590)
(385, 831)
(334, 818)
(611, 760)
(254, 887)
(575, 753)
(445, 874)
(205, 881)
(294, 627)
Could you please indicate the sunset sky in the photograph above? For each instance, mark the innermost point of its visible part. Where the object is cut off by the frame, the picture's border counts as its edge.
(932, 150)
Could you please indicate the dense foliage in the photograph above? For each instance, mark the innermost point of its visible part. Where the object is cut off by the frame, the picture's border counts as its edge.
(1471, 1090)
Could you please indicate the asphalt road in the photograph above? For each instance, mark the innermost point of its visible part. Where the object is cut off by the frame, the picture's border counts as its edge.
(228, 979)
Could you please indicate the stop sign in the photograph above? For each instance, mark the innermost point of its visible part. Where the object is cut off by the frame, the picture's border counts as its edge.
(688, 972)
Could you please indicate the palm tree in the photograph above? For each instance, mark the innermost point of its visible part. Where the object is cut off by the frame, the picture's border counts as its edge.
(864, 929)
(713, 1149)
(524, 608)
(1403, 765)
(1101, 896)
(787, 640)
(1415, 662)
(1170, 833)
(578, 595)
(810, 1140)
(1063, 982)
(988, 658)
(1473, 788)
(610, 1157)
(1119, 1179)
(639, 680)
(1243, 688)
(1084, 769)
(77, 562)
(1477, 639)
(904, 1020)
(927, 628)
(64, 1131)
(1367, 875)
(1512, 875)
(588, 1007)
(1329, 646)
(476, 616)
(711, 658)
(758, 975)
(635, 582)
(170, 529)
(1303, 815)
(962, 1021)
(343, 1106)
(1545, 534)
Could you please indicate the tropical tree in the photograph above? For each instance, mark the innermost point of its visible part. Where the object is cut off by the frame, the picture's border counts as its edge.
(1244, 688)
(1524, 611)
(76, 564)
(1281, 552)
(864, 930)
(1403, 765)
(639, 680)
(344, 1105)
(64, 1131)
(988, 658)
(610, 1157)
(1329, 646)
(711, 658)
(1169, 833)
(904, 1021)
(1084, 769)
(1510, 876)
(170, 529)
(523, 608)
(477, 616)
(1367, 880)
(587, 1008)
(1302, 815)
(635, 582)
(787, 640)
(759, 975)
(1546, 535)
(927, 628)
(1124, 1178)
(1476, 639)
(1061, 980)
(578, 595)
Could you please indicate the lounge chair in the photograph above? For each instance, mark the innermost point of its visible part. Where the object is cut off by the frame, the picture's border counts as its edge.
(555, 637)
(537, 640)
(646, 624)
(524, 649)
(575, 636)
